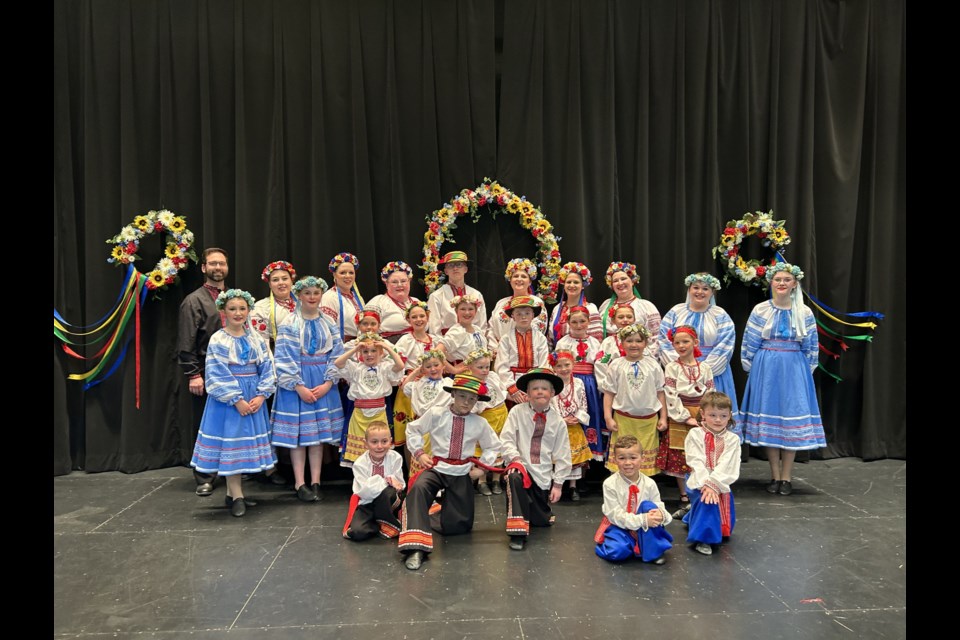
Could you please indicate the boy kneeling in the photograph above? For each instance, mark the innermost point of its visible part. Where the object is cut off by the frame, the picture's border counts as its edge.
(377, 488)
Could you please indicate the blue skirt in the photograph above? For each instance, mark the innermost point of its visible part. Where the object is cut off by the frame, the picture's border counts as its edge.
(300, 424)
(229, 443)
(619, 545)
(706, 522)
(593, 430)
(779, 407)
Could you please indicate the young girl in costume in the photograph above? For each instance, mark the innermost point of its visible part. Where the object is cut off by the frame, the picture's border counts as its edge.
(306, 411)
(685, 382)
(610, 348)
(633, 399)
(571, 404)
(465, 336)
(713, 453)
(520, 274)
(411, 347)
(371, 382)
(234, 436)
(368, 323)
(342, 303)
(574, 277)
(585, 349)
(423, 389)
(494, 410)
(269, 313)
(622, 279)
(780, 352)
(714, 329)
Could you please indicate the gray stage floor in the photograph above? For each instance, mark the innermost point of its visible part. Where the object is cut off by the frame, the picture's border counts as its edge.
(142, 556)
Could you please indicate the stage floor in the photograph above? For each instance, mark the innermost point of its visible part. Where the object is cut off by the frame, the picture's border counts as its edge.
(141, 556)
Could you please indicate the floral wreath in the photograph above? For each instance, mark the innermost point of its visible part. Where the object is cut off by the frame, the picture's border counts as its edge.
(520, 264)
(704, 278)
(477, 354)
(631, 329)
(419, 304)
(340, 258)
(468, 298)
(176, 255)
(574, 267)
(310, 281)
(770, 231)
(792, 269)
(395, 265)
(225, 296)
(442, 222)
(278, 265)
(627, 267)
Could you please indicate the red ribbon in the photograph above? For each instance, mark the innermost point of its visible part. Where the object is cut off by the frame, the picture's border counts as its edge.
(513, 465)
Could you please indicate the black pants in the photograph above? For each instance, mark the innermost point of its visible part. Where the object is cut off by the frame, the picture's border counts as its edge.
(526, 507)
(455, 517)
(377, 517)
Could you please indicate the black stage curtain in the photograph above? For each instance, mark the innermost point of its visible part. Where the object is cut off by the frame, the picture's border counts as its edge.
(296, 129)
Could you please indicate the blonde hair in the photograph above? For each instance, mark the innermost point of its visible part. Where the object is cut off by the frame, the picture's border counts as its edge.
(377, 425)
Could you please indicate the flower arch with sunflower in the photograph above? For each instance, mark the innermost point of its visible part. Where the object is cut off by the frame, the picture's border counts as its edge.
(177, 253)
(772, 234)
(442, 222)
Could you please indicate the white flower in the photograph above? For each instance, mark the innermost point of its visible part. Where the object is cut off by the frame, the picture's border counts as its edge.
(129, 233)
(167, 267)
(165, 217)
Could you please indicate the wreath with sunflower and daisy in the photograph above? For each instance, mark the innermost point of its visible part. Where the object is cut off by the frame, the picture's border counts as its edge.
(442, 222)
(177, 253)
(773, 235)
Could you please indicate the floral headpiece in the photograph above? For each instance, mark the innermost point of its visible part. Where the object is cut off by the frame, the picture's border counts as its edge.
(557, 355)
(690, 331)
(467, 297)
(281, 265)
(705, 278)
(419, 304)
(477, 354)
(633, 329)
(430, 354)
(616, 306)
(310, 281)
(628, 268)
(520, 264)
(340, 258)
(233, 293)
(395, 265)
(371, 312)
(578, 268)
(369, 337)
(793, 269)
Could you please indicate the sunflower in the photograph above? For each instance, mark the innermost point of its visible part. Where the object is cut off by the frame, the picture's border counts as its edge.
(779, 235)
(727, 239)
(514, 205)
(544, 225)
(497, 189)
(172, 250)
(156, 279)
(178, 224)
(143, 223)
(118, 253)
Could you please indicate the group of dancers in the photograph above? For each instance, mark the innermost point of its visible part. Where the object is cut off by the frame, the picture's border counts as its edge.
(514, 401)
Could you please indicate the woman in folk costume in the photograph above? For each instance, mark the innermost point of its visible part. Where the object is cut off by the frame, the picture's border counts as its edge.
(343, 303)
(780, 352)
(574, 277)
(622, 279)
(393, 303)
(270, 312)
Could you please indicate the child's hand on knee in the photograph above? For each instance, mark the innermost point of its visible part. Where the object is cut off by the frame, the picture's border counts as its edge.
(709, 496)
(654, 518)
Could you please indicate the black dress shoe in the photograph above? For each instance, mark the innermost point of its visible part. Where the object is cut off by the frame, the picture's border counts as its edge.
(238, 508)
(316, 491)
(276, 479)
(248, 501)
(205, 489)
(414, 560)
(306, 494)
(517, 542)
(774, 486)
(786, 488)
(574, 495)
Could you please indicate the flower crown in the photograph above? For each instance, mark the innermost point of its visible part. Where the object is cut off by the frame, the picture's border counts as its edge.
(705, 278)
(477, 354)
(627, 267)
(616, 306)
(395, 265)
(633, 329)
(419, 304)
(562, 353)
(430, 354)
(310, 281)
(233, 293)
(340, 258)
(281, 265)
(578, 268)
(793, 269)
(369, 336)
(520, 264)
(467, 297)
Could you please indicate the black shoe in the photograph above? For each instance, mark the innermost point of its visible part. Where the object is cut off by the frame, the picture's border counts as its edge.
(774, 486)
(249, 502)
(496, 488)
(316, 491)
(659, 561)
(574, 495)
(238, 508)
(276, 479)
(205, 489)
(517, 542)
(582, 487)
(414, 560)
(306, 494)
(786, 488)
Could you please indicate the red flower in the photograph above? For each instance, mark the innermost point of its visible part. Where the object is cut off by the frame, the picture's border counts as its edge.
(591, 436)
(761, 271)
(581, 351)
(400, 416)
(555, 253)
(537, 232)
(730, 231)
(158, 226)
(131, 247)
(435, 227)
(482, 201)
(762, 234)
